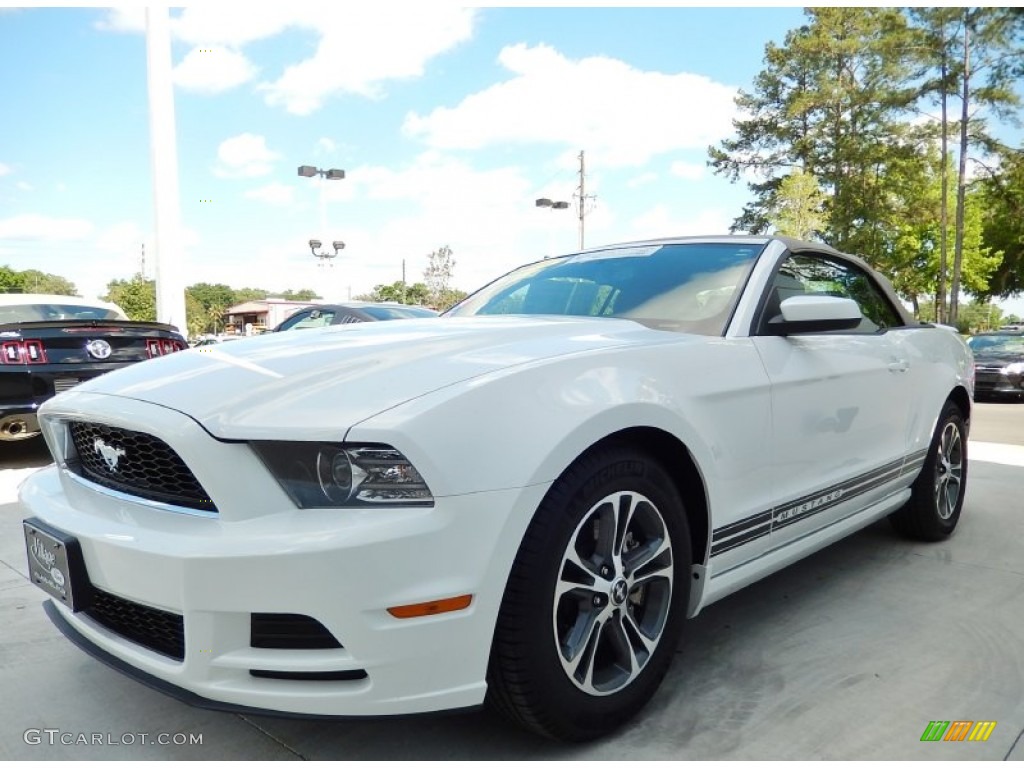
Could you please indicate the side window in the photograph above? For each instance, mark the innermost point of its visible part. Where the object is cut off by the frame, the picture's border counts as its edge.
(317, 318)
(807, 275)
(309, 318)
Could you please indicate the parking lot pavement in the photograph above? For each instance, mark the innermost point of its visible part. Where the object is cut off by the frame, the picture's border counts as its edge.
(848, 654)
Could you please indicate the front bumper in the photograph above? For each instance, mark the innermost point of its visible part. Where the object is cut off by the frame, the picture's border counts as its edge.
(343, 568)
(993, 382)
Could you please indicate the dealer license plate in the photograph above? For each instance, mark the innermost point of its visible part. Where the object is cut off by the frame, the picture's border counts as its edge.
(55, 564)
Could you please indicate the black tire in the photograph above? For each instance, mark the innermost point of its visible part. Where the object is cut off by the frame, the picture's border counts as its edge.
(559, 664)
(937, 495)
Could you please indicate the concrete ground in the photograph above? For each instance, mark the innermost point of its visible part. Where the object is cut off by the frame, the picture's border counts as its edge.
(848, 654)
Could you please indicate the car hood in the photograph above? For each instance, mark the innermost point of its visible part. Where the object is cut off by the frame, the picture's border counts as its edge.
(317, 383)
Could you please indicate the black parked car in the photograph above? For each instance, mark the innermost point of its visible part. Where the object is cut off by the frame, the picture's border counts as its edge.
(998, 364)
(351, 312)
(50, 343)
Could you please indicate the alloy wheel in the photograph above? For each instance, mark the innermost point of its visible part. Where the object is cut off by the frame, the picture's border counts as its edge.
(948, 471)
(613, 593)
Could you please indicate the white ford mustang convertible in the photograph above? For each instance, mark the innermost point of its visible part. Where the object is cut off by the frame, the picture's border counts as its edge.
(520, 502)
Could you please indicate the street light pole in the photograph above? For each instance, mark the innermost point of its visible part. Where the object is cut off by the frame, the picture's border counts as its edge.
(170, 287)
(309, 171)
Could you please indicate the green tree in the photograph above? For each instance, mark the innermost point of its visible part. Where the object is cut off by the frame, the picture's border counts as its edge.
(195, 316)
(979, 315)
(828, 103)
(438, 275)
(1003, 221)
(11, 280)
(398, 291)
(137, 297)
(34, 281)
(913, 258)
(304, 294)
(215, 294)
(992, 64)
(798, 209)
(249, 294)
(937, 27)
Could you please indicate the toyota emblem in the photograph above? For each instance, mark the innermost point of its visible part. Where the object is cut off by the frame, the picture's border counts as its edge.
(99, 349)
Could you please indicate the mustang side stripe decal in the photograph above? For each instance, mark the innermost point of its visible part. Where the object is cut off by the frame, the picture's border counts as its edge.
(794, 514)
(755, 533)
(742, 525)
(755, 526)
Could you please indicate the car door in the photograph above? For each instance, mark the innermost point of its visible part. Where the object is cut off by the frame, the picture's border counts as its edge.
(839, 399)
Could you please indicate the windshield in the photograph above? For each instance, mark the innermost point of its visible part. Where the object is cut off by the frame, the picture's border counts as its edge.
(398, 313)
(29, 313)
(997, 344)
(687, 287)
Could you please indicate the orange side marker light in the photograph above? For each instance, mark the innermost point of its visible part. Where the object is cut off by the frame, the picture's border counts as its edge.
(432, 608)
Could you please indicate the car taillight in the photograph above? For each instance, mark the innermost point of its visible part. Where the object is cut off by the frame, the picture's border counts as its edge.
(160, 347)
(27, 352)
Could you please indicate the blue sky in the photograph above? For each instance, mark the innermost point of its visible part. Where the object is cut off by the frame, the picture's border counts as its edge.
(449, 122)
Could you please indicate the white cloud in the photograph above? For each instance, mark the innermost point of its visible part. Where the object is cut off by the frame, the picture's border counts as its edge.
(620, 113)
(125, 237)
(210, 23)
(274, 194)
(487, 217)
(326, 146)
(213, 70)
(688, 171)
(30, 226)
(362, 46)
(245, 155)
(237, 25)
(647, 177)
(4, 169)
(661, 218)
(123, 19)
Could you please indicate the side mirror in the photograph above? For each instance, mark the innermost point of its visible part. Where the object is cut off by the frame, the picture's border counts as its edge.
(815, 314)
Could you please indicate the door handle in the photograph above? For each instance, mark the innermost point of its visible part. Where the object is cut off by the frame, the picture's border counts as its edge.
(899, 366)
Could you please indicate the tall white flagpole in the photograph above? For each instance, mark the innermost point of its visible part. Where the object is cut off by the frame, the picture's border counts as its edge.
(170, 288)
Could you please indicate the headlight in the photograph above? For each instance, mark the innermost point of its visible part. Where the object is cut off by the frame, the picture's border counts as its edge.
(334, 475)
(1014, 369)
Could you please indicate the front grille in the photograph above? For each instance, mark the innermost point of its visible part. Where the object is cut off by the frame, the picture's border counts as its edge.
(291, 631)
(137, 464)
(160, 631)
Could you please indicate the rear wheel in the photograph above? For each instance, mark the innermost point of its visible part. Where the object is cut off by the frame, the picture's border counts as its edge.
(596, 599)
(937, 496)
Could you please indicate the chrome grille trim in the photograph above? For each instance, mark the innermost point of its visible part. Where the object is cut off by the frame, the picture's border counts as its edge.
(148, 503)
(138, 464)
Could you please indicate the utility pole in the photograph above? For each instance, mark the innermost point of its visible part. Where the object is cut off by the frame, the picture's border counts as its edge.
(581, 194)
(582, 197)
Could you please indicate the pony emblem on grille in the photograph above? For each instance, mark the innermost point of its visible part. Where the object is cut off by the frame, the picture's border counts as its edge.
(108, 453)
